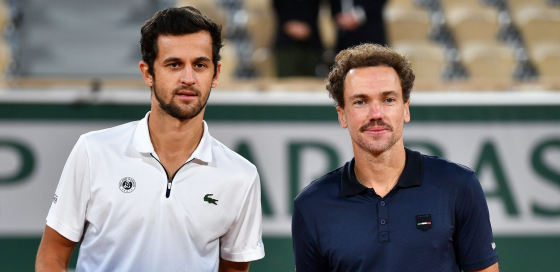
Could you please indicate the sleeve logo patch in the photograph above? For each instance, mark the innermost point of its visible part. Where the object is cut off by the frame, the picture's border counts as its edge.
(424, 222)
(127, 185)
(55, 199)
(493, 246)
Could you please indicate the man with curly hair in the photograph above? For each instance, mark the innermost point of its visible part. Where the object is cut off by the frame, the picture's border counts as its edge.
(389, 208)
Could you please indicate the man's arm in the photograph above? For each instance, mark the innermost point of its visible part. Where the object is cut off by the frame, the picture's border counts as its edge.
(54, 252)
(307, 256)
(227, 266)
(474, 243)
(492, 268)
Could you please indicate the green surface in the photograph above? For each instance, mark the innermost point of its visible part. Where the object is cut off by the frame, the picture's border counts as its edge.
(517, 254)
(275, 113)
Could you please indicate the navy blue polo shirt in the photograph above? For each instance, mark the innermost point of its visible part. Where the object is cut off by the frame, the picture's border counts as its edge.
(434, 219)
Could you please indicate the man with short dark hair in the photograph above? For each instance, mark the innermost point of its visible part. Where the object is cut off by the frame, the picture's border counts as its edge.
(159, 194)
(389, 208)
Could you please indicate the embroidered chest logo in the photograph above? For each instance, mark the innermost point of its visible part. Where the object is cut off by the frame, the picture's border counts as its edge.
(210, 200)
(424, 222)
(127, 185)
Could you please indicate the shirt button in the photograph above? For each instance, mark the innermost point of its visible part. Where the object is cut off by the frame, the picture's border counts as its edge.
(370, 192)
(383, 221)
(382, 203)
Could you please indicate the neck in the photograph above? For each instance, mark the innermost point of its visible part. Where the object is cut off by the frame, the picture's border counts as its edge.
(380, 171)
(174, 137)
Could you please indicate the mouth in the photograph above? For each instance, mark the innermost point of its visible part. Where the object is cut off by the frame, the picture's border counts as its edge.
(376, 130)
(186, 95)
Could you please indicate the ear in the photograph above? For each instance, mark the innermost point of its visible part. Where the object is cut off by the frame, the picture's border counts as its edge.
(146, 74)
(341, 117)
(407, 111)
(217, 77)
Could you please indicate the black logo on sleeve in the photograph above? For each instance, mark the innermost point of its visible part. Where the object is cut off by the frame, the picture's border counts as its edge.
(127, 185)
(55, 199)
(424, 222)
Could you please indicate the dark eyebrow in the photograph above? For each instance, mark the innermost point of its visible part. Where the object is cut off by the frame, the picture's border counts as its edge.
(387, 93)
(358, 96)
(172, 59)
(176, 59)
(201, 59)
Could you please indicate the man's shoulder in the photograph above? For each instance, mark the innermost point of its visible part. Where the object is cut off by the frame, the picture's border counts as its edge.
(226, 156)
(327, 185)
(115, 133)
(444, 164)
(437, 168)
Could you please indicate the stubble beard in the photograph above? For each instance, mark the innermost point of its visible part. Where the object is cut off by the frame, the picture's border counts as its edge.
(175, 110)
(375, 146)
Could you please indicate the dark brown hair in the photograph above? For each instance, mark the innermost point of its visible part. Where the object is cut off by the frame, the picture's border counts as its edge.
(178, 21)
(368, 55)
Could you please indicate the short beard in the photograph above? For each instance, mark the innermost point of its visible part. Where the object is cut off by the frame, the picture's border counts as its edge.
(376, 148)
(174, 110)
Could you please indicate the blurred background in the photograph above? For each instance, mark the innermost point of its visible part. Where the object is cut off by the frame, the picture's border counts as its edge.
(486, 95)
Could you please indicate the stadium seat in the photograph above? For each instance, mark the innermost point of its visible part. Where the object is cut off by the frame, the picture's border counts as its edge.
(472, 23)
(327, 26)
(4, 15)
(263, 61)
(546, 55)
(427, 59)
(208, 7)
(538, 24)
(516, 5)
(229, 57)
(403, 3)
(261, 23)
(488, 63)
(406, 24)
(5, 58)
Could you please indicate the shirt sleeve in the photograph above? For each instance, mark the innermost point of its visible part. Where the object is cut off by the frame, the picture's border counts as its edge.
(307, 254)
(243, 241)
(474, 242)
(68, 210)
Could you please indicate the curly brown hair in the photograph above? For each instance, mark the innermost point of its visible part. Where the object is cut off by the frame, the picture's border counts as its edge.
(368, 55)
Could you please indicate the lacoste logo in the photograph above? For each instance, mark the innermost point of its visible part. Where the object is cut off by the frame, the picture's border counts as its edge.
(127, 185)
(210, 200)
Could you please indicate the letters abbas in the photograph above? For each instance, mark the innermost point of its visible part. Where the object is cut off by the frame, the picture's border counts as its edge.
(389, 208)
(159, 194)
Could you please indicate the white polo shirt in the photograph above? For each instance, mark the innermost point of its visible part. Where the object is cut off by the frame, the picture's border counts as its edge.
(112, 192)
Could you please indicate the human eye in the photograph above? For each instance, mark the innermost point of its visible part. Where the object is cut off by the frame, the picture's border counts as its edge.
(200, 65)
(359, 102)
(174, 65)
(390, 100)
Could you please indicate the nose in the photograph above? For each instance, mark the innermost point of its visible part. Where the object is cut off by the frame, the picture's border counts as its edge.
(187, 76)
(376, 112)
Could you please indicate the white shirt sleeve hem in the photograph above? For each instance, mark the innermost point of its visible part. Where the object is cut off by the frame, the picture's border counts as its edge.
(243, 257)
(63, 230)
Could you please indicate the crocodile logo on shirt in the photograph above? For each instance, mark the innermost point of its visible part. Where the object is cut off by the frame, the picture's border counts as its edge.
(210, 200)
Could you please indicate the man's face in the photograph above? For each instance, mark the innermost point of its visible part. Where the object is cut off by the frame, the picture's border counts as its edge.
(374, 110)
(184, 74)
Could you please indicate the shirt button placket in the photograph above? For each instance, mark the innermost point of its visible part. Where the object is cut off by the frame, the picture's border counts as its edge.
(383, 223)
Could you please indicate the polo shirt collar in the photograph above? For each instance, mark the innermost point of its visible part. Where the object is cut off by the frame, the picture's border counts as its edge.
(143, 144)
(411, 176)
